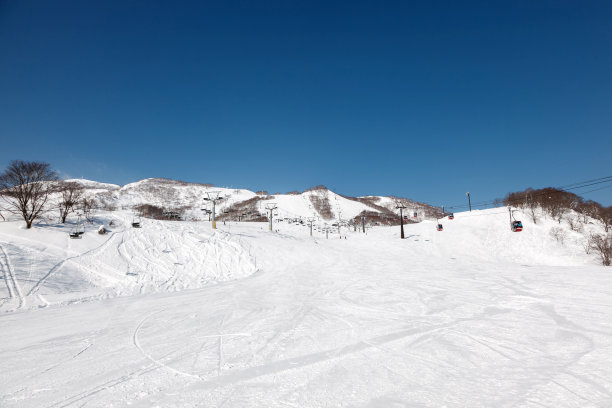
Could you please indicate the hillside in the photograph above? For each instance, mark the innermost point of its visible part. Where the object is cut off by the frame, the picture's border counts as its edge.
(176, 313)
(319, 203)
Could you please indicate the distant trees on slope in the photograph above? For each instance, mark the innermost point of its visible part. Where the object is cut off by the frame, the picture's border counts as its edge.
(563, 205)
(557, 203)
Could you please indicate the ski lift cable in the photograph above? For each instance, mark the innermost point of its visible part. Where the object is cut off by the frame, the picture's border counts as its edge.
(574, 186)
(588, 181)
(596, 189)
(561, 188)
(480, 215)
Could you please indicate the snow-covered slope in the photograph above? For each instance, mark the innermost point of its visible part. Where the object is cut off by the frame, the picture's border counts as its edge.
(44, 266)
(319, 203)
(474, 315)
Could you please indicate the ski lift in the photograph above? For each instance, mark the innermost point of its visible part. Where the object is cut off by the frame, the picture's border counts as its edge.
(451, 216)
(78, 230)
(440, 227)
(515, 225)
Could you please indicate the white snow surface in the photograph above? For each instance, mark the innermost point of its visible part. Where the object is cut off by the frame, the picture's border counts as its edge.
(175, 314)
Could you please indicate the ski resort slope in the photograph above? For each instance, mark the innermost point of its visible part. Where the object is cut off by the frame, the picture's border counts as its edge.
(473, 316)
(49, 268)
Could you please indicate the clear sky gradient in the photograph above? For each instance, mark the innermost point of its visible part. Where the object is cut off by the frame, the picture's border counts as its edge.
(426, 100)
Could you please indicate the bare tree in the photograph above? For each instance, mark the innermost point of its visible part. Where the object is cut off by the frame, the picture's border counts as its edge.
(574, 222)
(588, 244)
(71, 193)
(558, 234)
(588, 209)
(87, 204)
(605, 216)
(602, 245)
(25, 187)
(531, 204)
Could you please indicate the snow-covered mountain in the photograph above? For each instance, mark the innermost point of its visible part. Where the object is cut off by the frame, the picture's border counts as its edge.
(318, 203)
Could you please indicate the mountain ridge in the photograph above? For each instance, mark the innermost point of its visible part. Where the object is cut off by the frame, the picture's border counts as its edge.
(317, 202)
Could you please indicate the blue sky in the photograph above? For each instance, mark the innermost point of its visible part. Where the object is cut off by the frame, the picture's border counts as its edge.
(426, 100)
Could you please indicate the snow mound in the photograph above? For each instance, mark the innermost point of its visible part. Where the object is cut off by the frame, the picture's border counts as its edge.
(161, 256)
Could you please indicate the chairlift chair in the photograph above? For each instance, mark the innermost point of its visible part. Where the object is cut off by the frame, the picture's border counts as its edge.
(78, 230)
(75, 233)
(136, 223)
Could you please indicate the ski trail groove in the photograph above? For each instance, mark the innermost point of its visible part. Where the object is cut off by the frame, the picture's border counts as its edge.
(9, 269)
(9, 285)
(60, 264)
(149, 357)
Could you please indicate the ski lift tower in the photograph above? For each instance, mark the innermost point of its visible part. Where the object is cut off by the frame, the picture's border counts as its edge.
(271, 207)
(310, 221)
(401, 208)
(213, 197)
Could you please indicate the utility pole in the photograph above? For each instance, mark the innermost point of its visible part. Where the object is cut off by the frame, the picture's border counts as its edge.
(401, 207)
(469, 201)
(363, 217)
(213, 196)
(310, 221)
(271, 207)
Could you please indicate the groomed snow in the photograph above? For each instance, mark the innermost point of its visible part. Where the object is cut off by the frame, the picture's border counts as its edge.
(473, 316)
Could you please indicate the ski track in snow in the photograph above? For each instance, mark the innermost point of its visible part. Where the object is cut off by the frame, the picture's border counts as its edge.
(60, 264)
(149, 357)
(8, 272)
(438, 319)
